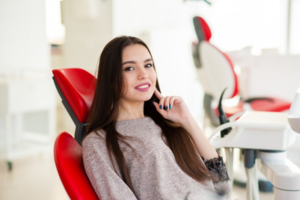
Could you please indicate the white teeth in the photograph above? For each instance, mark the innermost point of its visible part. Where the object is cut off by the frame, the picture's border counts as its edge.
(144, 86)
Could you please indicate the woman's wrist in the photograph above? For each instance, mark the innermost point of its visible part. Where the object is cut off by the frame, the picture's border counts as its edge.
(190, 125)
(186, 121)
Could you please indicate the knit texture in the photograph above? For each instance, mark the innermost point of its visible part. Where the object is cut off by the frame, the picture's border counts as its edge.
(153, 169)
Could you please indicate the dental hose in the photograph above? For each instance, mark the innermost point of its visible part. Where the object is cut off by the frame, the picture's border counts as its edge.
(228, 151)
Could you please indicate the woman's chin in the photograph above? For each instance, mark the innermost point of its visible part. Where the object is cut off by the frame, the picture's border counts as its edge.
(144, 99)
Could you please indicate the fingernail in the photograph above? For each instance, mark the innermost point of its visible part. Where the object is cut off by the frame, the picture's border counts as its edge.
(170, 106)
(153, 103)
(160, 106)
(166, 108)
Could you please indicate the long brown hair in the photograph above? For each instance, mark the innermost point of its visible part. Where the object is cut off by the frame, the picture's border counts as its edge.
(104, 112)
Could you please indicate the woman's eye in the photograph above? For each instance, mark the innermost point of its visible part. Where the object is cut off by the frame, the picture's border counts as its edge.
(129, 69)
(148, 65)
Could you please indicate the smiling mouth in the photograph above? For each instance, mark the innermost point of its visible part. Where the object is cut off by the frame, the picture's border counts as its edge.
(143, 86)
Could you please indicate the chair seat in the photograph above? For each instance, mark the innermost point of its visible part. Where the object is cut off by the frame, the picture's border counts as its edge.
(69, 164)
(275, 105)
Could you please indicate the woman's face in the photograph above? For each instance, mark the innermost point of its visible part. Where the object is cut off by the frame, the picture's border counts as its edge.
(138, 74)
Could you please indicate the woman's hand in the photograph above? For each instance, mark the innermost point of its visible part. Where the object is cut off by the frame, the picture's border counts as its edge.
(172, 108)
(180, 114)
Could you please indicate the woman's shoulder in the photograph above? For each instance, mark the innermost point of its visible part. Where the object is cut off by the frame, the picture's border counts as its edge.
(94, 138)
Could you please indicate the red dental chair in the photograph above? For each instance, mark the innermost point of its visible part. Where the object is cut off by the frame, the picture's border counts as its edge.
(68, 161)
(76, 88)
(215, 71)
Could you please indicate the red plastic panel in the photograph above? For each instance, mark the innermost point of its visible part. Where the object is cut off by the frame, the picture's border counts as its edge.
(68, 160)
(78, 87)
(276, 105)
(206, 29)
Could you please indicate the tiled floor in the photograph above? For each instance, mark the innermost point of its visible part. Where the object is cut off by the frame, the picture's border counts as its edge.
(35, 178)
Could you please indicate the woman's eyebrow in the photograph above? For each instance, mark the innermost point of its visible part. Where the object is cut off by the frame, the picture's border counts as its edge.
(133, 62)
(124, 63)
(149, 59)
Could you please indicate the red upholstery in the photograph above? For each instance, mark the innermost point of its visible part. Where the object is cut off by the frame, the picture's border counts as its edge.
(68, 160)
(277, 105)
(206, 29)
(78, 87)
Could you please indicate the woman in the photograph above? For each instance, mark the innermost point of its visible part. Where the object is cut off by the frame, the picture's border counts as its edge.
(140, 144)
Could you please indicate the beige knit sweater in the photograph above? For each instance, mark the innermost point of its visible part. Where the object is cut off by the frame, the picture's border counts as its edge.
(153, 169)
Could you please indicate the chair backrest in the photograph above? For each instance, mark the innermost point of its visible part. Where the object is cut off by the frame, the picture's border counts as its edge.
(78, 87)
(217, 70)
(69, 164)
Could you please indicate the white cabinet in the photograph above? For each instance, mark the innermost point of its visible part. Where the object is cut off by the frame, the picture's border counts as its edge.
(27, 117)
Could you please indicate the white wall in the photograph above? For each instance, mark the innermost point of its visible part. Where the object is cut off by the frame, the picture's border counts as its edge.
(23, 35)
(295, 29)
(236, 24)
(88, 25)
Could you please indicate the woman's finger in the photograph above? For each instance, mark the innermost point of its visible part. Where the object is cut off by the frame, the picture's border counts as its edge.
(167, 103)
(159, 110)
(171, 102)
(158, 94)
(161, 103)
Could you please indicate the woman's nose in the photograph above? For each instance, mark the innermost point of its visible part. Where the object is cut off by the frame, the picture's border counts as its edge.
(143, 74)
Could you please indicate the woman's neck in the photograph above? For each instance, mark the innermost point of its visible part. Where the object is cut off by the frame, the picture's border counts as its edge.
(129, 110)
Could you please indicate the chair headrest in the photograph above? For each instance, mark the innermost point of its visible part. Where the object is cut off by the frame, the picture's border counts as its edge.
(78, 87)
(202, 29)
(68, 161)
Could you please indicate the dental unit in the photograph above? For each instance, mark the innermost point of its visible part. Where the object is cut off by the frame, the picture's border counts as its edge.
(264, 137)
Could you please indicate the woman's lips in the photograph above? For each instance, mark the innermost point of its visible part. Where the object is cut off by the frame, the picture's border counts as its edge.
(143, 87)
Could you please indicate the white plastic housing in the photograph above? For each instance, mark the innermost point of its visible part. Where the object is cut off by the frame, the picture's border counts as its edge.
(215, 73)
(259, 130)
(282, 173)
(294, 113)
(282, 194)
(294, 121)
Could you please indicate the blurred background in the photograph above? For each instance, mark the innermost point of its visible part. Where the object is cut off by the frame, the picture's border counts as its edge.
(36, 36)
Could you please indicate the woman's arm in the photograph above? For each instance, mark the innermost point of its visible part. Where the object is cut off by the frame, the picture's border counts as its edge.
(203, 146)
(213, 162)
(176, 110)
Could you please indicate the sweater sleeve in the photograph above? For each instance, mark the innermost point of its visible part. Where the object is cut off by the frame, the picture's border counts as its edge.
(218, 169)
(107, 183)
